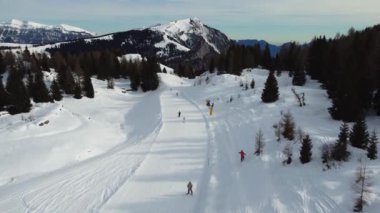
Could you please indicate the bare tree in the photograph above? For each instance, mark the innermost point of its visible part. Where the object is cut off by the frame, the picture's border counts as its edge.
(362, 187)
(277, 130)
(326, 156)
(259, 146)
(288, 152)
(110, 83)
(300, 97)
(299, 135)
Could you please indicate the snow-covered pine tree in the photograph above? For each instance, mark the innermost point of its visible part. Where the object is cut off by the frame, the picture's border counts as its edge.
(18, 94)
(55, 91)
(305, 152)
(88, 88)
(288, 126)
(299, 77)
(372, 146)
(339, 152)
(40, 91)
(359, 136)
(270, 92)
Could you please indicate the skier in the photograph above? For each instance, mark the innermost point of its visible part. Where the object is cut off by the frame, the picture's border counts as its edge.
(183, 119)
(242, 155)
(179, 113)
(190, 188)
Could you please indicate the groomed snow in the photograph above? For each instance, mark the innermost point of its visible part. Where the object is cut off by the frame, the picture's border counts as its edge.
(130, 152)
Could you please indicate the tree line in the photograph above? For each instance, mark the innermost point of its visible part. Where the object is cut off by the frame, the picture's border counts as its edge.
(347, 66)
(72, 76)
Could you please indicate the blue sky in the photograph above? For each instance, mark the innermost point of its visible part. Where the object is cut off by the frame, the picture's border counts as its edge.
(276, 21)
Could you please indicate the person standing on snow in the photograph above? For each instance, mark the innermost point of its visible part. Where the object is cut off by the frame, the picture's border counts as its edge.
(179, 113)
(242, 155)
(190, 188)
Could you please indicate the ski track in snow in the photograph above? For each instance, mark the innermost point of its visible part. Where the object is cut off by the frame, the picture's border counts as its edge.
(73, 188)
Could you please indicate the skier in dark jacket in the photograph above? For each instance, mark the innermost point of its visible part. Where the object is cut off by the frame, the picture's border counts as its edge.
(179, 113)
(242, 155)
(190, 188)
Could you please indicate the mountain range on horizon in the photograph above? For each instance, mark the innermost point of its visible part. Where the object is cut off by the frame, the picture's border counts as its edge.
(29, 32)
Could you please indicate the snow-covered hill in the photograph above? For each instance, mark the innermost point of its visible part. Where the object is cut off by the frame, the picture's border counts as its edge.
(130, 152)
(27, 32)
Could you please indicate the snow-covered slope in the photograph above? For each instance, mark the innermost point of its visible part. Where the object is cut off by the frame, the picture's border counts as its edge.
(16, 31)
(130, 152)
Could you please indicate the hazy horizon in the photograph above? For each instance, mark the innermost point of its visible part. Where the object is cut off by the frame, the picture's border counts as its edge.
(272, 20)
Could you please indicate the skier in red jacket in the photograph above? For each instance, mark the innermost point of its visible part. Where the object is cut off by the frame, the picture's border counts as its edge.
(242, 155)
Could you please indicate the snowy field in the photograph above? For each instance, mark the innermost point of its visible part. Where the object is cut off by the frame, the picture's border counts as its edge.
(130, 152)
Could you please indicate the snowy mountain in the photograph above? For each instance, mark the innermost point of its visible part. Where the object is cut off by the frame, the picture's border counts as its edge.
(178, 41)
(190, 34)
(129, 152)
(27, 32)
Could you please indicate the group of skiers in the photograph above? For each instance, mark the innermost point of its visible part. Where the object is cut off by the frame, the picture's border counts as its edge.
(242, 153)
(190, 185)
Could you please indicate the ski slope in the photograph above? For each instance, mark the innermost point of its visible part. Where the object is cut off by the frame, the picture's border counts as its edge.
(130, 152)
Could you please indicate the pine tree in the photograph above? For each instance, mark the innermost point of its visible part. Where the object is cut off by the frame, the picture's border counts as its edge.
(359, 136)
(252, 85)
(135, 79)
(270, 92)
(88, 88)
(149, 77)
(55, 91)
(372, 146)
(259, 146)
(376, 100)
(288, 126)
(40, 91)
(266, 58)
(18, 95)
(305, 152)
(339, 152)
(77, 91)
(299, 77)
(4, 99)
(2, 65)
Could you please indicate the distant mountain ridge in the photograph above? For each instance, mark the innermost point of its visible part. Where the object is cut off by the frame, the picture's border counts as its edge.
(27, 32)
(175, 42)
(274, 49)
